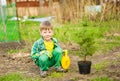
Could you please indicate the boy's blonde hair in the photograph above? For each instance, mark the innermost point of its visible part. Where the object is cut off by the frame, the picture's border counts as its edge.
(46, 25)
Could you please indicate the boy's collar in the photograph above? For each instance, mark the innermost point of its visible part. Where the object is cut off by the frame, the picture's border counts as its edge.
(53, 39)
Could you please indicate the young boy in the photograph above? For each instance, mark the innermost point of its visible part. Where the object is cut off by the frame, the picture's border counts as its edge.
(46, 52)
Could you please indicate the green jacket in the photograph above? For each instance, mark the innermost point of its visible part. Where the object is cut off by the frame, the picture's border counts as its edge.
(39, 46)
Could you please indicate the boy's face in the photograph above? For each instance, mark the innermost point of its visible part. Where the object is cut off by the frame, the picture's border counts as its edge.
(47, 34)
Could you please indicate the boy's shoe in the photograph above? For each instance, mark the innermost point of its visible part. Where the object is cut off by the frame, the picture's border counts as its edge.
(60, 69)
(43, 74)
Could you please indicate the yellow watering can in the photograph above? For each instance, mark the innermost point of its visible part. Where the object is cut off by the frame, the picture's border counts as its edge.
(65, 62)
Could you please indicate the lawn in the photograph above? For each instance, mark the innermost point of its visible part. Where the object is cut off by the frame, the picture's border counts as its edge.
(10, 32)
(106, 33)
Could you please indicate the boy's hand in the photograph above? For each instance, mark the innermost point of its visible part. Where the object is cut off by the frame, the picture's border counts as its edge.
(48, 53)
(37, 54)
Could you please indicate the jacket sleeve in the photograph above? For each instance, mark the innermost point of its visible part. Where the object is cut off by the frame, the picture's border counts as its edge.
(34, 51)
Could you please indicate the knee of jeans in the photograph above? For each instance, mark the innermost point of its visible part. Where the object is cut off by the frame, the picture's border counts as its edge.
(43, 58)
(58, 51)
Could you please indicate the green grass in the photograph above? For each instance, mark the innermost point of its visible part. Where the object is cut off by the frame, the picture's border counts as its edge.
(29, 31)
(12, 51)
(17, 77)
(11, 33)
(67, 33)
(56, 75)
(102, 79)
(100, 66)
(22, 77)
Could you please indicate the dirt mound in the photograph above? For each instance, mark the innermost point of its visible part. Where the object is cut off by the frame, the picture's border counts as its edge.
(4, 47)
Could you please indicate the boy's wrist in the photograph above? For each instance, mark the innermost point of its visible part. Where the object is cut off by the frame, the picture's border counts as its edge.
(37, 54)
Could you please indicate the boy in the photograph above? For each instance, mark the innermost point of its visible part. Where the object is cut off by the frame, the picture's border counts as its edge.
(46, 52)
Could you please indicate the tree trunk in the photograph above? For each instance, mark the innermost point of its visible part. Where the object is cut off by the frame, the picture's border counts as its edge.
(84, 58)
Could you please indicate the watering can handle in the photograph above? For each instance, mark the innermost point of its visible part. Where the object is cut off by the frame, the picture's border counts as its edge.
(65, 52)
